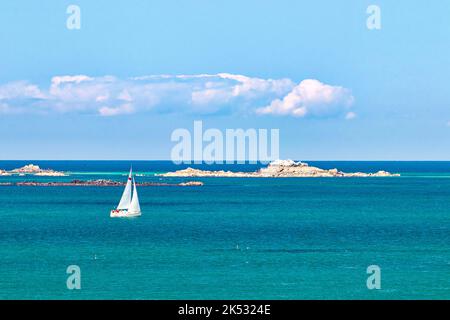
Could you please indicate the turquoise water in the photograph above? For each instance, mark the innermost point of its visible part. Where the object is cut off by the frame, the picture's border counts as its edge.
(241, 238)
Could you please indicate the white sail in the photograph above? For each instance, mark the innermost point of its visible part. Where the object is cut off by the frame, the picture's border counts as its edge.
(126, 196)
(134, 205)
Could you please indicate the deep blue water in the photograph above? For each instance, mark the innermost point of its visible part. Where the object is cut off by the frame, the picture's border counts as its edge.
(233, 238)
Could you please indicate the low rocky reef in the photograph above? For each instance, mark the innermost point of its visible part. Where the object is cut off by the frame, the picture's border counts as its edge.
(100, 183)
(31, 169)
(278, 169)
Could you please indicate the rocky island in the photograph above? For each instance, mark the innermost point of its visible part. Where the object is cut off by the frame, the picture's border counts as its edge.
(100, 183)
(4, 173)
(278, 169)
(32, 169)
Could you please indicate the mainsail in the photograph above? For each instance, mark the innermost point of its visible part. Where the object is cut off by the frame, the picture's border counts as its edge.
(125, 201)
(134, 205)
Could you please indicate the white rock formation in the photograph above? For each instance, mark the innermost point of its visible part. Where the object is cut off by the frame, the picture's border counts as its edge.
(277, 169)
(4, 173)
(37, 171)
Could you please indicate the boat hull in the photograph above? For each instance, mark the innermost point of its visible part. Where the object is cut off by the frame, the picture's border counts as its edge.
(124, 214)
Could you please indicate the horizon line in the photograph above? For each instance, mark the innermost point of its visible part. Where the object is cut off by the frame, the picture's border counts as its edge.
(224, 161)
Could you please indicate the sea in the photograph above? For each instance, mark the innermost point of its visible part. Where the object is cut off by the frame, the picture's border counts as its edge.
(232, 238)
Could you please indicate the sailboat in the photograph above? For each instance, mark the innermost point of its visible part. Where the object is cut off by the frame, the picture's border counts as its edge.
(129, 203)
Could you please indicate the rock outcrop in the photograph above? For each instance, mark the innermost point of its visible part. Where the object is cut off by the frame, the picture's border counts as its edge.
(191, 184)
(4, 173)
(101, 183)
(278, 169)
(37, 171)
(29, 168)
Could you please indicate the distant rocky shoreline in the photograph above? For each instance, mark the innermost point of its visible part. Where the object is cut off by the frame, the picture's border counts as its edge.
(278, 169)
(97, 183)
(31, 169)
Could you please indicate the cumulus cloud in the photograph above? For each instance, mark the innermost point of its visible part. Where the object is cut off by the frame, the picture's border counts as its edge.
(196, 94)
(310, 97)
(251, 87)
(20, 90)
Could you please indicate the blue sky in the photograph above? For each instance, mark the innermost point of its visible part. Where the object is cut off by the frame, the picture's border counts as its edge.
(137, 70)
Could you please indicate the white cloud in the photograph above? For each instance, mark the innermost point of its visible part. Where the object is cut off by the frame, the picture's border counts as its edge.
(20, 90)
(102, 98)
(247, 86)
(350, 115)
(235, 87)
(114, 111)
(211, 96)
(56, 81)
(125, 96)
(196, 94)
(310, 97)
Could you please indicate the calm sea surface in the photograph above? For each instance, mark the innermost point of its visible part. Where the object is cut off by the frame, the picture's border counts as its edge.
(233, 238)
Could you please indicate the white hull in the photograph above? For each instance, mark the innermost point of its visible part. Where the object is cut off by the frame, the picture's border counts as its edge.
(123, 214)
